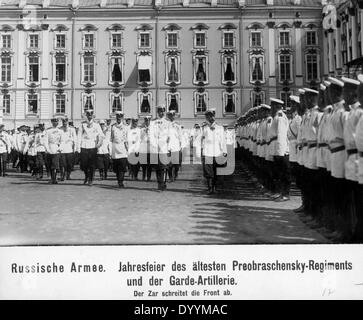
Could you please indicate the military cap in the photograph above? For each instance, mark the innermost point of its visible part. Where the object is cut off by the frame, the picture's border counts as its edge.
(265, 106)
(119, 114)
(211, 112)
(327, 83)
(162, 108)
(278, 101)
(311, 91)
(301, 91)
(102, 122)
(351, 82)
(89, 111)
(295, 98)
(54, 120)
(322, 87)
(335, 81)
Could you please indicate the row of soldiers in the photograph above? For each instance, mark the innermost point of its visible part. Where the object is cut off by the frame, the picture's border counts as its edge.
(97, 145)
(320, 144)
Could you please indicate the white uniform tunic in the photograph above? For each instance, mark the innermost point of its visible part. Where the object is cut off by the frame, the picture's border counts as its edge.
(90, 135)
(175, 134)
(292, 134)
(54, 140)
(70, 139)
(269, 154)
(359, 143)
(351, 165)
(119, 139)
(5, 144)
(214, 142)
(40, 141)
(338, 120)
(105, 147)
(134, 140)
(21, 140)
(312, 137)
(159, 136)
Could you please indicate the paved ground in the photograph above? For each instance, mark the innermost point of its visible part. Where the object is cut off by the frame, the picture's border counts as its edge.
(36, 213)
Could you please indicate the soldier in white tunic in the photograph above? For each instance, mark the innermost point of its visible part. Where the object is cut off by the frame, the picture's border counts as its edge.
(53, 144)
(214, 150)
(160, 152)
(90, 138)
(21, 140)
(69, 146)
(104, 151)
(134, 140)
(144, 150)
(119, 139)
(40, 146)
(175, 146)
(5, 146)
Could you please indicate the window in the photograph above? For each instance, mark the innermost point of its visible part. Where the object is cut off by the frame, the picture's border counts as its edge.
(172, 40)
(60, 103)
(6, 41)
(173, 102)
(228, 39)
(285, 67)
(116, 40)
(88, 101)
(257, 98)
(200, 69)
(144, 40)
(116, 102)
(32, 104)
(256, 39)
(145, 102)
(60, 41)
(89, 41)
(229, 69)
(257, 68)
(6, 104)
(33, 41)
(200, 40)
(312, 67)
(311, 38)
(144, 68)
(88, 69)
(33, 68)
(285, 97)
(172, 69)
(284, 38)
(200, 101)
(60, 69)
(229, 102)
(6, 69)
(116, 69)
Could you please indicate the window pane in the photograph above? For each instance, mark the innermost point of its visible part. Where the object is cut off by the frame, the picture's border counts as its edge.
(201, 75)
(6, 69)
(173, 105)
(284, 38)
(145, 105)
(172, 40)
(89, 69)
(229, 72)
(88, 41)
(173, 74)
(144, 40)
(34, 41)
(230, 104)
(88, 105)
(60, 69)
(6, 103)
(116, 104)
(200, 39)
(116, 70)
(200, 103)
(61, 41)
(228, 39)
(60, 103)
(6, 43)
(116, 40)
(32, 103)
(33, 69)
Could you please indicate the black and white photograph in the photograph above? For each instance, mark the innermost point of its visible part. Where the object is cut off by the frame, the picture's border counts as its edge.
(181, 122)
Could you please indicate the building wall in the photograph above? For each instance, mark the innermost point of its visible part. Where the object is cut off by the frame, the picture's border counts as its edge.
(130, 18)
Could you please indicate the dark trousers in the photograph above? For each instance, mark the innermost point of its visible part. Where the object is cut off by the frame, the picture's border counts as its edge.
(67, 161)
(282, 174)
(160, 168)
(39, 162)
(23, 164)
(358, 231)
(120, 167)
(174, 166)
(32, 164)
(3, 162)
(88, 158)
(145, 165)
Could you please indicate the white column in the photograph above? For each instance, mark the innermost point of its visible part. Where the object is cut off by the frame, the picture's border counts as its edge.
(1, 109)
(45, 54)
(361, 28)
(331, 52)
(299, 58)
(272, 61)
(325, 55)
(349, 56)
(354, 38)
(21, 56)
(46, 105)
(338, 49)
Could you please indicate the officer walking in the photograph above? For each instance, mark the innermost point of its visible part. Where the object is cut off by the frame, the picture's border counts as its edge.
(69, 146)
(90, 138)
(104, 151)
(175, 145)
(119, 140)
(134, 139)
(5, 146)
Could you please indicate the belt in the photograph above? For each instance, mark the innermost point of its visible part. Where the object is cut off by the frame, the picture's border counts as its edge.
(337, 149)
(305, 144)
(352, 151)
(313, 145)
(272, 139)
(322, 145)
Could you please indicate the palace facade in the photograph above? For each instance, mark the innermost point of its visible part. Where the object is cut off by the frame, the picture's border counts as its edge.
(64, 56)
